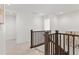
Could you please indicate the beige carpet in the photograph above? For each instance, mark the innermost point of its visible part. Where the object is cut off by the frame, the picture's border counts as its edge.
(20, 49)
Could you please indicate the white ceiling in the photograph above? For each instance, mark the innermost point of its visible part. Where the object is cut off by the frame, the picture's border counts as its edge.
(44, 8)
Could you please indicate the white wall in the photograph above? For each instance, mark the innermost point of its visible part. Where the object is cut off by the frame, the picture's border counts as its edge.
(24, 23)
(69, 21)
(65, 22)
(2, 39)
(10, 24)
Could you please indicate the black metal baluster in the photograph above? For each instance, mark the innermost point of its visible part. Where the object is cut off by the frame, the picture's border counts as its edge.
(73, 45)
(64, 43)
(68, 44)
(53, 44)
(60, 44)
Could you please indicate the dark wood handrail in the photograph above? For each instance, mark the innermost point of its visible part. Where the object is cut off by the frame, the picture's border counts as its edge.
(53, 42)
(66, 34)
(42, 31)
(37, 45)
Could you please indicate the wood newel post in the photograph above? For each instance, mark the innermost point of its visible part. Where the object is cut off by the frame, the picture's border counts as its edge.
(31, 38)
(56, 42)
(47, 44)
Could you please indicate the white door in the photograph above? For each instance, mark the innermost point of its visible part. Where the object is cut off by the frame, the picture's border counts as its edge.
(47, 24)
